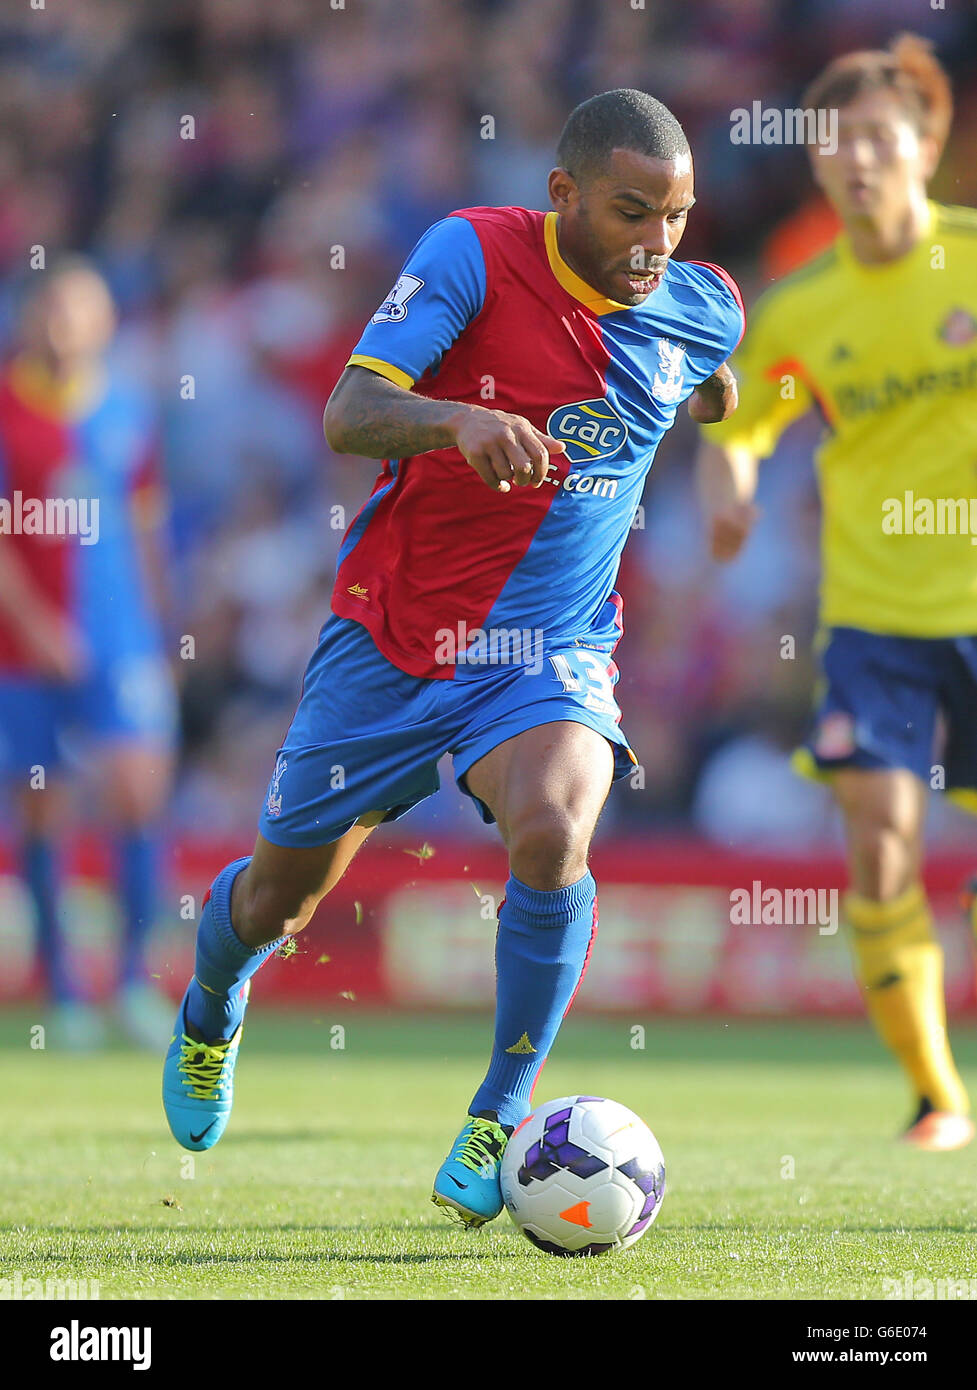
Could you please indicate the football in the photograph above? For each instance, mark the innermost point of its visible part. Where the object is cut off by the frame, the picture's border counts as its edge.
(582, 1176)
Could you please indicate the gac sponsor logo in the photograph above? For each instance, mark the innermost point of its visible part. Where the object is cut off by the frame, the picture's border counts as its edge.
(591, 430)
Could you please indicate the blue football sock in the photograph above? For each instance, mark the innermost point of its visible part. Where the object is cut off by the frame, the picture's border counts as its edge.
(41, 865)
(541, 952)
(223, 962)
(137, 873)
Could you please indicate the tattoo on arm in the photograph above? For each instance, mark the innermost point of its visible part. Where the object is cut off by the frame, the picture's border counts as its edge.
(373, 417)
(715, 398)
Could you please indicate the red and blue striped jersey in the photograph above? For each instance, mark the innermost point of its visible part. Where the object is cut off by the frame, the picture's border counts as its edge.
(88, 454)
(487, 312)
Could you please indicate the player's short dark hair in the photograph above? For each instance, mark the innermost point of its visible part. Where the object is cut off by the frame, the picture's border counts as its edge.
(623, 119)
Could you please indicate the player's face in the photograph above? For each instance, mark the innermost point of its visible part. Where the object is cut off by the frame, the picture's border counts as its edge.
(618, 229)
(72, 320)
(881, 164)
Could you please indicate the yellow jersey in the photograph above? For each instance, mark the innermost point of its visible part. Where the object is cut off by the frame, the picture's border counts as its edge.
(888, 355)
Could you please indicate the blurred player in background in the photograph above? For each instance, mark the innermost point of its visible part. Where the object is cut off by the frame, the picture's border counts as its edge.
(517, 381)
(81, 663)
(880, 335)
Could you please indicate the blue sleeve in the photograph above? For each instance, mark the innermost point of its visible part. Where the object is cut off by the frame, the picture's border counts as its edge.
(732, 318)
(440, 290)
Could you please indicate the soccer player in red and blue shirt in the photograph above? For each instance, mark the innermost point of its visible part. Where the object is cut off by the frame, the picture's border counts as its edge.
(81, 652)
(516, 382)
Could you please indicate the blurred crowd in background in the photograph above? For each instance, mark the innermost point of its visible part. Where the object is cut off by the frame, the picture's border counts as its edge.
(317, 127)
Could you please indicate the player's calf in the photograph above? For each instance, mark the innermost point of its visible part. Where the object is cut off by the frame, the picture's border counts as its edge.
(542, 949)
(252, 906)
(283, 885)
(545, 787)
(264, 910)
(198, 1071)
(897, 955)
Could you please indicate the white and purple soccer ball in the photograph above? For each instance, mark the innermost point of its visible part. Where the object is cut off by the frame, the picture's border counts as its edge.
(582, 1176)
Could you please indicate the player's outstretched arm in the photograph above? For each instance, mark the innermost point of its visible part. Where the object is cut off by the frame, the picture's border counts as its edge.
(726, 481)
(715, 398)
(371, 416)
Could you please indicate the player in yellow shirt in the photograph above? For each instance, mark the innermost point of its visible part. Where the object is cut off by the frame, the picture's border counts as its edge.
(879, 334)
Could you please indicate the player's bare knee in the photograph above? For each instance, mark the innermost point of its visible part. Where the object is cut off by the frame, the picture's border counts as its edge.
(885, 861)
(548, 847)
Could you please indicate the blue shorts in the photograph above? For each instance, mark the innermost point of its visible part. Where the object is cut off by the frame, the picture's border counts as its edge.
(898, 702)
(367, 737)
(130, 698)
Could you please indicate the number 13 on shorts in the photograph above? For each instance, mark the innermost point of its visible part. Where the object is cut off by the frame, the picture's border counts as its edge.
(592, 674)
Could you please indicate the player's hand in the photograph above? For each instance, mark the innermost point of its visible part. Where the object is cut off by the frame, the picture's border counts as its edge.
(505, 450)
(729, 529)
(58, 648)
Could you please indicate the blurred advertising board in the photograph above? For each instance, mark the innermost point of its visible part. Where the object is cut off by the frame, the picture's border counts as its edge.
(684, 928)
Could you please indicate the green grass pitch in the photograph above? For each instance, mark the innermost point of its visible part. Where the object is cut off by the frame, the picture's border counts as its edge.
(320, 1187)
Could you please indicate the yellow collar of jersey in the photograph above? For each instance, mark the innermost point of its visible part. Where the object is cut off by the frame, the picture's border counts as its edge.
(569, 279)
(31, 380)
(907, 261)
